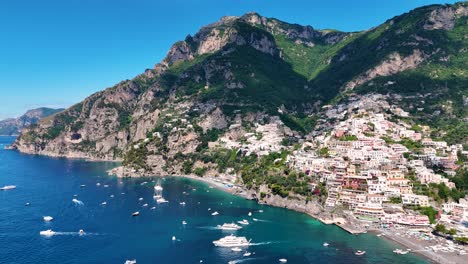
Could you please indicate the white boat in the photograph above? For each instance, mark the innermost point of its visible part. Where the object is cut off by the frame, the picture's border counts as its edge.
(130, 261)
(82, 185)
(98, 184)
(157, 196)
(236, 249)
(48, 232)
(243, 222)
(283, 260)
(326, 244)
(260, 211)
(152, 208)
(112, 196)
(232, 241)
(250, 214)
(215, 213)
(231, 226)
(81, 232)
(145, 205)
(48, 218)
(400, 251)
(76, 201)
(161, 200)
(173, 238)
(105, 185)
(247, 254)
(143, 183)
(184, 223)
(182, 203)
(140, 199)
(8, 187)
(255, 219)
(136, 213)
(103, 203)
(360, 252)
(158, 187)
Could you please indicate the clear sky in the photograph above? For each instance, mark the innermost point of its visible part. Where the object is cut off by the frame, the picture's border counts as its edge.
(57, 52)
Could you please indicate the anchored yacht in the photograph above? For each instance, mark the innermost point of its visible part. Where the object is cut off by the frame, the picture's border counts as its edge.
(231, 226)
(232, 241)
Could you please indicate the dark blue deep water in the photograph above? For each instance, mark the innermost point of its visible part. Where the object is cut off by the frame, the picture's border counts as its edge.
(113, 235)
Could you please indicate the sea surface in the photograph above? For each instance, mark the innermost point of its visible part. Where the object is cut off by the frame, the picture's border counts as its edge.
(112, 235)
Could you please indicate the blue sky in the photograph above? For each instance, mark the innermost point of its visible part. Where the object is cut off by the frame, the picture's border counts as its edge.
(57, 52)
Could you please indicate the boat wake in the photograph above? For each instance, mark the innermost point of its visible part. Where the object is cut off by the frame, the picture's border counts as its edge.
(265, 243)
(72, 234)
(261, 220)
(77, 202)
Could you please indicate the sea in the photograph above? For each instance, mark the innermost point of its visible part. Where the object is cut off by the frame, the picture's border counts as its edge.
(47, 186)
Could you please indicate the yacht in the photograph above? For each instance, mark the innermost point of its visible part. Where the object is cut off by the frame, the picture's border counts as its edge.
(231, 226)
(48, 218)
(236, 249)
(243, 222)
(232, 241)
(8, 187)
(360, 252)
(161, 200)
(215, 213)
(136, 213)
(48, 232)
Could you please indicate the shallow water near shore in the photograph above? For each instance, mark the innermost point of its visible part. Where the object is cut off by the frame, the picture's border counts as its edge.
(112, 235)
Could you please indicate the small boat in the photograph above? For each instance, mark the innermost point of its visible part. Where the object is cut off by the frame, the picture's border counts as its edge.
(130, 261)
(283, 260)
(145, 205)
(136, 213)
(103, 203)
(157, 196)
(143, 183)
(140, 199)
(81, 232)
(247, 254)
(360, 252)
(215, 213)
(326, 244)
(231, 226)
(250, 214)
(76, 201)
(236, 249)
(82, 185)
(27, 204)
(152, 208)
(184, 223)
(243, 222)
(182, 203)
(48, 218)
(260, 211)
(48, 232)
(209, 209)
(112, 196)
(158, 188)
(105, 185)
(255, 219)
(98, 184)
(173, 238)
(8, 187)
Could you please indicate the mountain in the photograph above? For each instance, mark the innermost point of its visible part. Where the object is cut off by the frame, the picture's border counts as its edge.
(243, 72)
(13, 126)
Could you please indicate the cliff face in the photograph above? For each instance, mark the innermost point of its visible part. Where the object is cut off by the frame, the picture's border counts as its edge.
(13, 126)
(243, 71)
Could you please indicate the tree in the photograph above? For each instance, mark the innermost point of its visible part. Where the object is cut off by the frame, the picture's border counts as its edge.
(440, 228)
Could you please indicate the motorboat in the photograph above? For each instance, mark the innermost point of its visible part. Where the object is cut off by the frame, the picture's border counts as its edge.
(82, 185)
(48, 232)
(255, 219)
(400, 251)
(215, 213)
(283, 260)
(360, 252)
(48, 218)
(243, 222)
(173, 238)
(8, 187)
(103, 203)
(182, 203)
(158, 187)
(105, 185)
(236, 249)
(326, 244)
(130, 261)
(81, 232)
(152, 208)
(140, 199)
(247, 254)
(184, 223)
(232, 241)
(231, 226)
(250, 214)
(98, 184)
(145, 205)
(136, 213)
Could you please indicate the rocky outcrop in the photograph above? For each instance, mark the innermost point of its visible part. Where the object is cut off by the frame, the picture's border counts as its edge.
(444, 17)
(13, 126)
(394, 64)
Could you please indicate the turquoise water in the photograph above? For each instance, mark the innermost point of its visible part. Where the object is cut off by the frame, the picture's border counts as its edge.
(113, 235)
